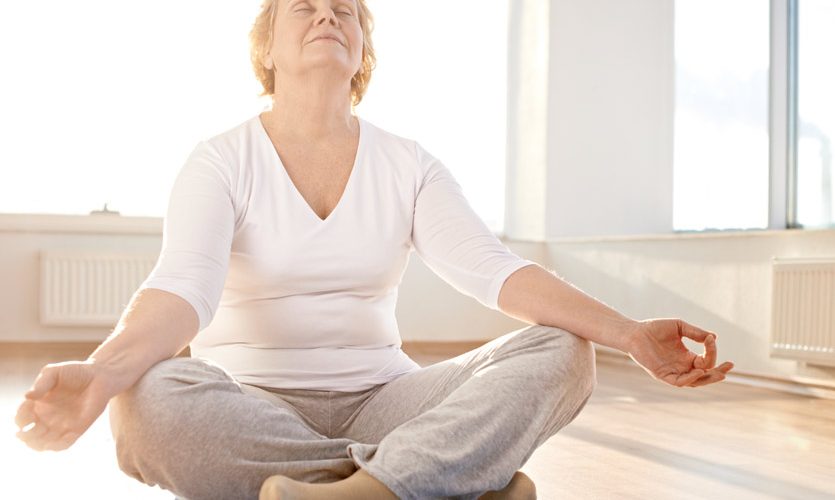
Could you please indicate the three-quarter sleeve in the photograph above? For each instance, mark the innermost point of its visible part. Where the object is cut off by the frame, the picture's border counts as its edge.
(197, 234)
(454, 241)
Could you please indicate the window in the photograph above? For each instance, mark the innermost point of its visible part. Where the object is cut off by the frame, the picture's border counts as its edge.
(721, 162)
(816, 113)
(721, 174)
(104, 100)
(107, 98)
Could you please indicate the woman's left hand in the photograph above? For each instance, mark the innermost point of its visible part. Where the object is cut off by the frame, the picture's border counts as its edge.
(656, 345)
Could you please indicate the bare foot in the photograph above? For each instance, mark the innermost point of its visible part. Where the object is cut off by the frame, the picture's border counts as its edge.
(359, 486)
(520, 487)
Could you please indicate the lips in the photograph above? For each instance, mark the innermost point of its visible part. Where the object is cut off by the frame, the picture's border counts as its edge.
(328, 37)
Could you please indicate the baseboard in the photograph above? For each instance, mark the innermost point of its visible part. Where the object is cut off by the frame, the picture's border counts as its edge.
(60, 351)
(804, 387)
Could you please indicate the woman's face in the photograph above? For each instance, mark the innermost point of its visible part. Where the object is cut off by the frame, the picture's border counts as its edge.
(295, 49)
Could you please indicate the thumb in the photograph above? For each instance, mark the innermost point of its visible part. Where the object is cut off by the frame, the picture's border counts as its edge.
(695, 333)
(44, 383)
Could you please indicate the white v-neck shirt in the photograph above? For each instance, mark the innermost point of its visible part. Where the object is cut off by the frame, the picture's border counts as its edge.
(288, 300)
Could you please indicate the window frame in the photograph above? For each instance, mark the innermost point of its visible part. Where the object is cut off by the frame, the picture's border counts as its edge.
(784, 116)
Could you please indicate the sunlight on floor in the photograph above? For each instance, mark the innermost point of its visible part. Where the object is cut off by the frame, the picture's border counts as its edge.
(88, 469)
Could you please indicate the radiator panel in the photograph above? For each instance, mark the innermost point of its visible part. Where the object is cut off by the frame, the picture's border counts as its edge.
(88, 288)
(803, 310)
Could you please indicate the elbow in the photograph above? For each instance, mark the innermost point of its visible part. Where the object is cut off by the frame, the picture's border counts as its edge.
(517, 297)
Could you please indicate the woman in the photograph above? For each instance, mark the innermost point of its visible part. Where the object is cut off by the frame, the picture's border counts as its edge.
(284, 242)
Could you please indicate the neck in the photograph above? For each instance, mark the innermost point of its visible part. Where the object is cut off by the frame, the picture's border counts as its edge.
(311, 110)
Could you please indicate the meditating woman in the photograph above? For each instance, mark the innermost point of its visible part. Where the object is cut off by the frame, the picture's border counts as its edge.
(285, 240)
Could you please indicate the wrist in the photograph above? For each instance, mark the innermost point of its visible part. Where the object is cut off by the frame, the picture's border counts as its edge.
(110, 375)
(629, 331)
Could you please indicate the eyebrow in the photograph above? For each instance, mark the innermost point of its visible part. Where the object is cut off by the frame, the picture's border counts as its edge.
(350, 3)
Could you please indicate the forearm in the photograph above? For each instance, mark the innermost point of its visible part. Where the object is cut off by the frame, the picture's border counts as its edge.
(535, 295)
(155, 326)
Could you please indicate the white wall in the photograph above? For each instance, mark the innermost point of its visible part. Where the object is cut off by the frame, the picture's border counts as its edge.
(603, 165)
(22, 237)
(607, 163)
(720, 282)
(610, 117)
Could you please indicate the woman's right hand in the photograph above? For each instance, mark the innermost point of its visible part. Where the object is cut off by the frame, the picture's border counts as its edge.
(64, 401)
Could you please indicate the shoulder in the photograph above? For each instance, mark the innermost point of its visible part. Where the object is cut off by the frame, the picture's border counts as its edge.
(236, 147)
(383, 136)
(396, 146)
(219, 157)
(231, 142)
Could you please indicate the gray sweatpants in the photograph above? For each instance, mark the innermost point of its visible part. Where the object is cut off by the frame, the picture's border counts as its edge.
(454, 429)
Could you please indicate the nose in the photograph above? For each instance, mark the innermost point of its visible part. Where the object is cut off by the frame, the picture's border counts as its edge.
(327, 15)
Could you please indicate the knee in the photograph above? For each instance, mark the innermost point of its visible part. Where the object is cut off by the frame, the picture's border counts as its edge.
(570, 359)
(131, 406)
(144, 417)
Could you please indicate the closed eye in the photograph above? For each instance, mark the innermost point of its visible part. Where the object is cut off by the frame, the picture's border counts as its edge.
(349, 13)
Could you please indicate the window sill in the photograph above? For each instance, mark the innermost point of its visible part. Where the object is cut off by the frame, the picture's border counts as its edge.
(89, 224)
(120, 224)
(693, 235)
(80, 224)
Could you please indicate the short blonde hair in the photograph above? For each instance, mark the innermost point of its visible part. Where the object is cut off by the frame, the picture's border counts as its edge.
(261, 38)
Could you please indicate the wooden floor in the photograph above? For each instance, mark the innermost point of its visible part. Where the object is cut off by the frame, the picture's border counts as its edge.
(636, 438)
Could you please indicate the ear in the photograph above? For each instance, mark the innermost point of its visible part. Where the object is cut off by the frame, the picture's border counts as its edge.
(267, 61)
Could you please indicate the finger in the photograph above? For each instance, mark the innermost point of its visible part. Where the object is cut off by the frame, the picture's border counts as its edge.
(699, 362)
(63, 442)
(710, 352)
(32, 434)
(694, 332)
(726, 366)
(688, 378)
(43, 383)
(714, 375)
(25, 414)
(709, 379)
(44, 440)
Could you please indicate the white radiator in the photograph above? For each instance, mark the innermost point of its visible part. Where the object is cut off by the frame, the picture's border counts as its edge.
(803, 310)
(89, 287)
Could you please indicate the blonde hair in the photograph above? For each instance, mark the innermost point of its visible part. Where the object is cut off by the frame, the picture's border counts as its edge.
(261, 38)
